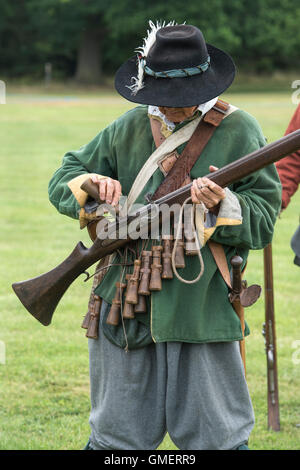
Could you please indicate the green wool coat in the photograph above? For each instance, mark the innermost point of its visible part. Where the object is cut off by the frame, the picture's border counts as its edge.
(199, 312)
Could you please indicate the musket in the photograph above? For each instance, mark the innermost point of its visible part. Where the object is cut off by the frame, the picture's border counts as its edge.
(41, 295)
(270, 342)
(236, 264)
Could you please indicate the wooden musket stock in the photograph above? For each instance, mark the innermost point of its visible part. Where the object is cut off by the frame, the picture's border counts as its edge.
(41, 295)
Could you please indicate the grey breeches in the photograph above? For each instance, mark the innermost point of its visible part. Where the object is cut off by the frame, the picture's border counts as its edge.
(195, 392)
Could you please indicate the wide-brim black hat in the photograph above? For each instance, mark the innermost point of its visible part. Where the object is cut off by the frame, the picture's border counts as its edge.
(179, 70)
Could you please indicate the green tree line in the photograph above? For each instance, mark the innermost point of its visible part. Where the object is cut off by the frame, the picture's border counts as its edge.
(87, 39)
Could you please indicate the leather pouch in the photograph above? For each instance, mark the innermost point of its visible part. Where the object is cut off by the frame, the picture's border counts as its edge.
(138, 333)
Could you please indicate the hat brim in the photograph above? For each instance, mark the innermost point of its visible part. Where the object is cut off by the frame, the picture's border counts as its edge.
(179, 92)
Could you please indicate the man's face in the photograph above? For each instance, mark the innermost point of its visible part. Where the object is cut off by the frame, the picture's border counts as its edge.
(178, 114)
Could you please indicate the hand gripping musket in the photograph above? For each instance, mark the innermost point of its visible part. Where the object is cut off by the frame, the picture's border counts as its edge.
(41, 295)
(270, 342)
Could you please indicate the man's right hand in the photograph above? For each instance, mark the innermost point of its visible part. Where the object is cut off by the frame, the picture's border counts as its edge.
(109, 190)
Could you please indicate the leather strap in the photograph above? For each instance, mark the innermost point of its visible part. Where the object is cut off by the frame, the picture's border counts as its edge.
(183, 165)
(200, 137)
(167, 161)
(218, 253)
(172, 142)
(196, 144)
(178, 173)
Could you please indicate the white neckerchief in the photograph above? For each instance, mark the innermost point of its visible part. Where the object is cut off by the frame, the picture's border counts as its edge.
(204, 108)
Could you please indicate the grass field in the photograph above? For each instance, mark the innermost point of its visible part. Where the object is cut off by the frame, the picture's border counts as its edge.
(44, 381)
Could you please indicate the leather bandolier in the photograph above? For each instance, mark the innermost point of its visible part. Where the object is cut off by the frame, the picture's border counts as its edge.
(154, 265)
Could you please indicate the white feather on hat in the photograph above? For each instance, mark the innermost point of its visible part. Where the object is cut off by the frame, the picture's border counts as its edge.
(138, 82)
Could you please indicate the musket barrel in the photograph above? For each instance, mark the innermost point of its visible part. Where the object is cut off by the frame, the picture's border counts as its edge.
(41, 295)
(242, 167)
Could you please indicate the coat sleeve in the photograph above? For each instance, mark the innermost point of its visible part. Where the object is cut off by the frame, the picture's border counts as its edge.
(259, 196)
(289, 167)
(96, 157)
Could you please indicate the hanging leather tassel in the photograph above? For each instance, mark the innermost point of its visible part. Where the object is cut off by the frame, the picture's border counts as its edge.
(87, 317)
(132, 289)
(141, 306)
(167, 272)
(113, 317)
(179, 252)
(128, 311)
(98, 277)
(92, 331)
(156, 268)
(145, 273)
(86, 320)
(190, 242)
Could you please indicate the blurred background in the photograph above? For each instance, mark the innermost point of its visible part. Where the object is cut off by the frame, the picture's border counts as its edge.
(85, 41)
(58, 59)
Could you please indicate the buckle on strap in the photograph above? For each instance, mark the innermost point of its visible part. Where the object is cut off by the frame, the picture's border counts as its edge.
(165, 164)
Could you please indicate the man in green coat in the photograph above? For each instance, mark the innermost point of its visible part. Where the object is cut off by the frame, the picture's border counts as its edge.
(177, 367)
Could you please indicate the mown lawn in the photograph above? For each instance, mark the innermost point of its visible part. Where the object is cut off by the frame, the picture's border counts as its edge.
(44, 392)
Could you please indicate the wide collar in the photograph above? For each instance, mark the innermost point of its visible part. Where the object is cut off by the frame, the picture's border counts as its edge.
(168, 126)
